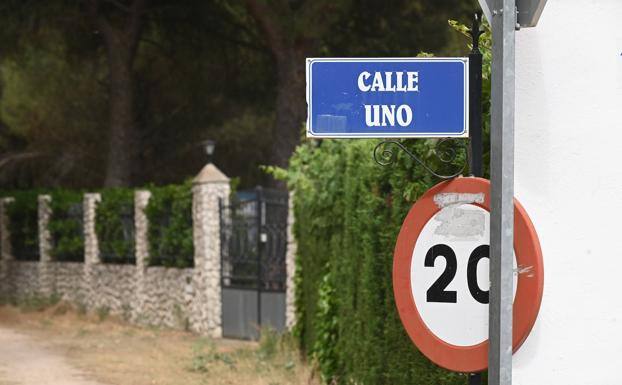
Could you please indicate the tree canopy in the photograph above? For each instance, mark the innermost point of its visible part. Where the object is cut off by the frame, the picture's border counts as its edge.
(123, 92)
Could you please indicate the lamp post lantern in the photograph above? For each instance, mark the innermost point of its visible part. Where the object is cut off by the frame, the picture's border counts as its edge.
(210, 147)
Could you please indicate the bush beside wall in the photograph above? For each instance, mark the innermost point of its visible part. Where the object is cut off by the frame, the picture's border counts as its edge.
(66, 226)
(169, 213)
(23, 224)
(114, 225)
(348, 211)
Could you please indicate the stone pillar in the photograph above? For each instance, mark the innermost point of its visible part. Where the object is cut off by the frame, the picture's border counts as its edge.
(290, 267)
(5, 248)
(91, 246)
(141, 244)
(46, 278)
(210, 187)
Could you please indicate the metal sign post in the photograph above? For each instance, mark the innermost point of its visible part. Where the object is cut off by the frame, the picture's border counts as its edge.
(502, 192)
(505, 16)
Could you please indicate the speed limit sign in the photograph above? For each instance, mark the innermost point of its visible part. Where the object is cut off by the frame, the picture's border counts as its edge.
(440, 274)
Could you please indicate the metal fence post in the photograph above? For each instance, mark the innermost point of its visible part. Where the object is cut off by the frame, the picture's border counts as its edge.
(260, 222)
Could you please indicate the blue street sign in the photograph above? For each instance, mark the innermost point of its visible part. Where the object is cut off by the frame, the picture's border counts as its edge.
(382, 98)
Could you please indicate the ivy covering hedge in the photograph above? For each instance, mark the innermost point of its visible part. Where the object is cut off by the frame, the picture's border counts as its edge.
(66, 226)
(170, 226)
(348, 213)
(114, 226)
(23, 224)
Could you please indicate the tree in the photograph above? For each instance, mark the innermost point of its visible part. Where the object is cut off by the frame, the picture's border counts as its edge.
(123, 91)
(292, 30)
(120, 26)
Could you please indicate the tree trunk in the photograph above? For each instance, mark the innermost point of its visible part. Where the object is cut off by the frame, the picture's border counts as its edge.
(121, 40)
(122, 134)
(290, 105)
(289, 54)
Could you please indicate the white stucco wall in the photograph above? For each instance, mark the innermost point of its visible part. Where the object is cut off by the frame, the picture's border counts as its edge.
(569, 177)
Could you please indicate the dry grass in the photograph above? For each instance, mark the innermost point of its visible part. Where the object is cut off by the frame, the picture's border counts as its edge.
(113, 352)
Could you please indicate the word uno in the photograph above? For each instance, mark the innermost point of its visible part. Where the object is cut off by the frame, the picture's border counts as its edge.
(377, 115)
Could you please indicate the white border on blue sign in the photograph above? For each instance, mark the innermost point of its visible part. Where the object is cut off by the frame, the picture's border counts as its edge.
(463, 134)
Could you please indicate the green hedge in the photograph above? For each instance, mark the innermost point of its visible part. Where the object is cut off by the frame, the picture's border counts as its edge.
(114, 226)
(23, 224)
(170, 226)
(66, 226)
(348, 213)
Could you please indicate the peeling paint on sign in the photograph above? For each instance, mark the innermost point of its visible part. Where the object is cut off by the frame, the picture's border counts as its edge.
(462, 223)
(447, 199)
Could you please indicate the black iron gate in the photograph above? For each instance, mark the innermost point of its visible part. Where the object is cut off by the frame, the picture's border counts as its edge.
(253, 246)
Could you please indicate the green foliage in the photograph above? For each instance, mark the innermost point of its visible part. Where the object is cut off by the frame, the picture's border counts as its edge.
(203, 69)
(268, 343)
(170, 226)
(52, 103)
(204, 354)
(485, 43)
(115, 225)
(66, 226)
(348, 213)
(23, 224)
(324, 347)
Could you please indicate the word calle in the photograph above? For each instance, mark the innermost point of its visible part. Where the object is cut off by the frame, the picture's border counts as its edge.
(377, 115)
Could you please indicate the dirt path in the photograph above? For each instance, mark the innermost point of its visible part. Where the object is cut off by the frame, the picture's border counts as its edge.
(61, 346)
(23, 361)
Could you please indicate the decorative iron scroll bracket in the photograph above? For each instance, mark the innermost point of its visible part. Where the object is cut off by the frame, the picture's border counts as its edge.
(385, 155)
(385, 152)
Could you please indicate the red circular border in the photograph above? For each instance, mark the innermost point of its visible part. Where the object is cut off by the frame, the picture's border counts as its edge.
(529, 287)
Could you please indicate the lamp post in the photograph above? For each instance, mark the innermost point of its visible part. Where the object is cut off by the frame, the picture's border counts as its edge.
(210, 147)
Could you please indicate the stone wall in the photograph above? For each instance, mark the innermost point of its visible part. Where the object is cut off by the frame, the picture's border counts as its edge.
(181, 298)
(210, 187)
(23, 279)
(178, 298)
(112, 288)
(5, 250)
(168, 296)
(290, 266)
(69, 281)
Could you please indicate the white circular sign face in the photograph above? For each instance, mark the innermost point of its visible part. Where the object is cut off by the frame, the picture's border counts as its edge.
(449, 274)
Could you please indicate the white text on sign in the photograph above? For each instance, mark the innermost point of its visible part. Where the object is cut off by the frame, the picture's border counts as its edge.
(377, 115)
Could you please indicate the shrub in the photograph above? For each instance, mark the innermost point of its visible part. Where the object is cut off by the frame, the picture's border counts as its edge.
(170, 226)
(66, 226)
(23, 225)
(114, 225)
(348, 211)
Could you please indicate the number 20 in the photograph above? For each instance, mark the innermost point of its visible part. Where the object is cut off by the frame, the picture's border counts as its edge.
(437, 292)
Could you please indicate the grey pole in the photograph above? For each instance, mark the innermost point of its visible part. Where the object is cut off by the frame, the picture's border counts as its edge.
(503, 14)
